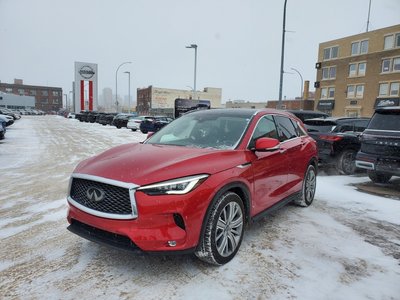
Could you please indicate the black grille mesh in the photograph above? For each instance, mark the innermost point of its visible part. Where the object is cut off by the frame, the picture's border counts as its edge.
(381, 149)
(116, 199)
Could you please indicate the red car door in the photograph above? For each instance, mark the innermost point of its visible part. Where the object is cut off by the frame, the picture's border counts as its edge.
(269, 169)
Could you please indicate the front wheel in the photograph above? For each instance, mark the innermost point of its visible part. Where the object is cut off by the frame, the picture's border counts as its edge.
(309, 187)
(224, 229)
(377, 177)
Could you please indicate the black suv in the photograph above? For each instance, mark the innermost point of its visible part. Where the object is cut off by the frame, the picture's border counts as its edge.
(380, 145)
(307, 114)
(154, 124)
(338, 141)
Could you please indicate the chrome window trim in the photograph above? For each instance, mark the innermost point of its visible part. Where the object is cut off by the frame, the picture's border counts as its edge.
(130, 186)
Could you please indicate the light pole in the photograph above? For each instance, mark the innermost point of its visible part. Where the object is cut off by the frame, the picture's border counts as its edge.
(66, 101)
(194, 46)
(129, 91)
(116, 81)
(301, 87)
(282, 56)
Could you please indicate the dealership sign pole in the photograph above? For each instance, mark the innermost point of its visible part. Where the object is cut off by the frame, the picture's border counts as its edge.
(85, 77)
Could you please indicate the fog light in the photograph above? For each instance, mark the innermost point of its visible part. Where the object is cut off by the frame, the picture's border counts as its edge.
(172, 243)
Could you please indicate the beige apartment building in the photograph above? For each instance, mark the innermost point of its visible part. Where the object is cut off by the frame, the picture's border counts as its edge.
(154, 100)
(355, 74)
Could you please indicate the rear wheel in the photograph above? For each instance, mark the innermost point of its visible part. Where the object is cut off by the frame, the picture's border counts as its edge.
(224, 229)
(379, 177)
(346, 163)
(309, 186)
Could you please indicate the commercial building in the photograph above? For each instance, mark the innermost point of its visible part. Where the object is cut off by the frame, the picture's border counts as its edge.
(357, 73)
(12, 101)
(46, 98)
(153, 100)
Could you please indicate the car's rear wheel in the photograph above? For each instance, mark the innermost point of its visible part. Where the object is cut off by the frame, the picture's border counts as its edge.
(346, 163)
(224, 230)
(309, 187)
(379, 177)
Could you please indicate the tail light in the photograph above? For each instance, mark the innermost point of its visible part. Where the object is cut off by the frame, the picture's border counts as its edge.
(331, 138)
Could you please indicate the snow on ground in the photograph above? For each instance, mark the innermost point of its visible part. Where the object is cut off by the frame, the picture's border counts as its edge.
(345, 246)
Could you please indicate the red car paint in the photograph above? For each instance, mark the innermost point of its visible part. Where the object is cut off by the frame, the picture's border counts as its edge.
(266, 178)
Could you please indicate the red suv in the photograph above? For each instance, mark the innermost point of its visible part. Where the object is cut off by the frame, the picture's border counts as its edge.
(195, 184)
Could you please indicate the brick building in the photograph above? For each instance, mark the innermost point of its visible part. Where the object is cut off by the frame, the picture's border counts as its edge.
(46, 98)
(356, 73)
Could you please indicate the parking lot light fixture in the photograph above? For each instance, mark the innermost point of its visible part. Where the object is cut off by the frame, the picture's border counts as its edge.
(116, 82)
(194, 46)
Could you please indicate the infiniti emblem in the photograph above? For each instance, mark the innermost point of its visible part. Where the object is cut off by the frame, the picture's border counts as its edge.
(95, 194)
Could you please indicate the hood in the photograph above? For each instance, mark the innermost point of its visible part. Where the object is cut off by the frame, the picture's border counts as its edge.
(143, 164)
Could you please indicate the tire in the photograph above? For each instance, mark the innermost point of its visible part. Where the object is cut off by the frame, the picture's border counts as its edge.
(224, 228)
(133, 129)
(377, 177)
(346, 162)
(308, 189)
(144, 131)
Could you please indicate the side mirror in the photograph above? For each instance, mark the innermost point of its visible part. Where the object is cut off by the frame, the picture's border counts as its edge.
(267, 144)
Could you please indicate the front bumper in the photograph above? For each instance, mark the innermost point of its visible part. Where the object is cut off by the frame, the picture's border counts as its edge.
(164, 223)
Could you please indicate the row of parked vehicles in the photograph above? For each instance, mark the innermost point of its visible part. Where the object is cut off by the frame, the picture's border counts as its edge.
(7, 118)
(371, 144)
(131, 121)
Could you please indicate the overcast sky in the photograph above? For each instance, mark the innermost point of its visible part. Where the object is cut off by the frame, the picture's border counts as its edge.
(239, 41)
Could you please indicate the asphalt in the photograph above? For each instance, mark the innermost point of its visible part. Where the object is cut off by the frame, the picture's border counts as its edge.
(388, 190)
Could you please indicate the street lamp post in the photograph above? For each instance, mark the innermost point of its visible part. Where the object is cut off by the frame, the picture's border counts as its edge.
(66, 101)
(116, 81)
(194, 46)
(129, 91)
(301, 88)
(282, 56)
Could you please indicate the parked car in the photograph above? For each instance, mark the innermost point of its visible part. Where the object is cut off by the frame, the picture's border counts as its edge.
(194, 185)
(307, 114)
(5, 111)
(134, 123)
(2, 132)
(71, 115)
(121, 120)
(106, 119)
(154, 123)
(82, 115)
(9, 120)
(338, 141)
(92, 116)
(380, 145)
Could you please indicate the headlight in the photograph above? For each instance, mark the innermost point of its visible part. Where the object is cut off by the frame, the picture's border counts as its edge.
(174, 187)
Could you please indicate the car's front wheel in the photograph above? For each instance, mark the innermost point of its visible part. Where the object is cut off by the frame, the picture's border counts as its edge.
(224, 230)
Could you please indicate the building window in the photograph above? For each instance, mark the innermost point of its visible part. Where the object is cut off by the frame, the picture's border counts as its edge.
(45, 93)
(355, 91)
(391, 65)
(394, 88)
(359, 91)
(8, 90)
(55, 93)
(331, 52)
(21, 91)
(391, 41)
(360, 47)
(357, 69)
(55, 101)
(45, 100)
(33, 92)
(327, 93)
(383, 89)
(329, 73)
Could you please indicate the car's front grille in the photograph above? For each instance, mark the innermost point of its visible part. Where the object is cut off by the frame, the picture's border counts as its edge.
(386, 148)
(110, 199)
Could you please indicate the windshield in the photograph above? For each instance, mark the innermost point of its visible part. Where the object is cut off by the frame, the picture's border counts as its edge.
(385, 120)
(219, 130)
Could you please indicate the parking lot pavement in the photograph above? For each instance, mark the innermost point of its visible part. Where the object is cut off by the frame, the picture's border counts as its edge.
(344, 246)
(389, 190)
